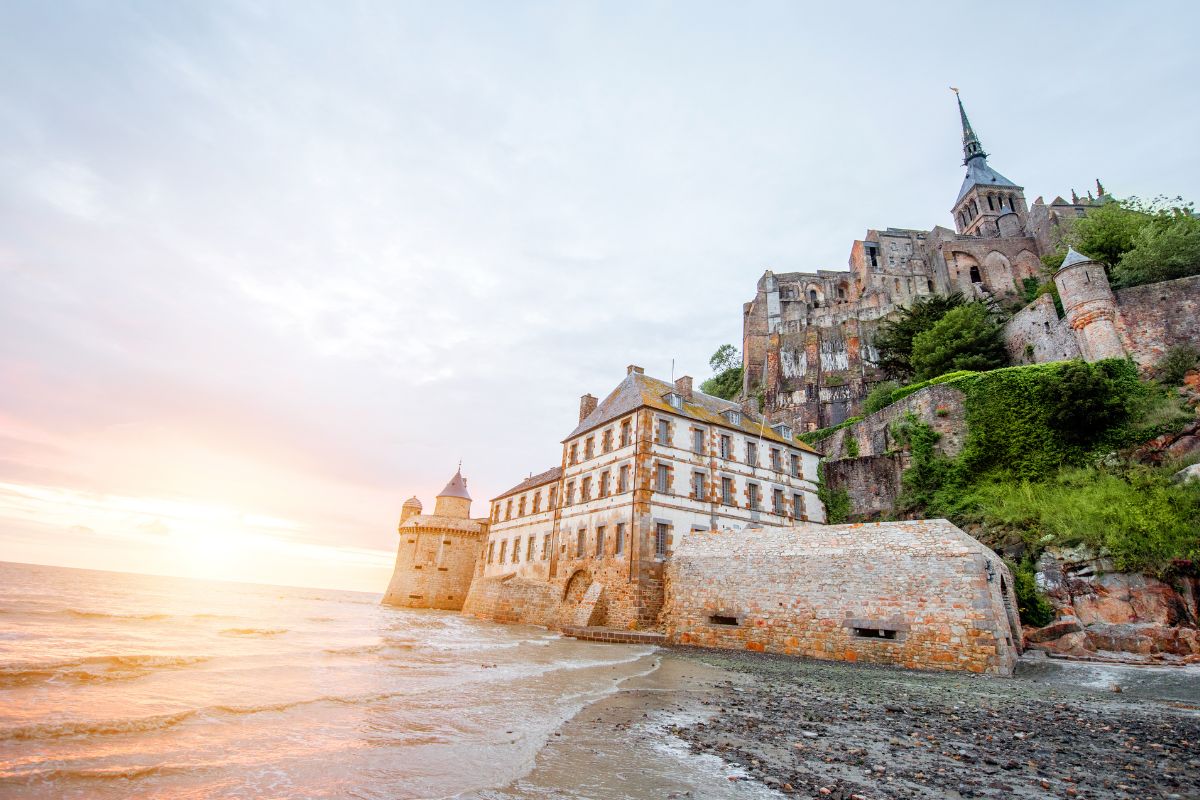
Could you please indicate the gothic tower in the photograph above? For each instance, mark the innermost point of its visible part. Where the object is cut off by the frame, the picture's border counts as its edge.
(988, 204)
(1090, 305)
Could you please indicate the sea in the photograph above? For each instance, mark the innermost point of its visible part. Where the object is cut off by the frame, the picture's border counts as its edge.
(116, 685)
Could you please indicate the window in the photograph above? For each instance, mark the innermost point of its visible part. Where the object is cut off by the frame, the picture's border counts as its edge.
(521, 506)
(574, 457)
(660, 540)
(551, 498)
(752, 453)
(975, 276)
(675, 400)
(491, 551)
(734, 416)
(727, 491)
(777, 501)
(585, 489)
(698, 488)
(755, 496)
(698, 441)
(599, 541)
(516, 554)
(664, 431)
(776, 464)
(537, 502)
(726, 446)
(605, 483)
(580, 540)
(545, 547)
(508, 510)
(626, 434)
(606, 441)
(529, 547)
(570, 493)
(496, 513)
(619, 544)
(794, 460)
(797, 505)
(589, 448)
(503, 550)
(623, 479)
(662, 478)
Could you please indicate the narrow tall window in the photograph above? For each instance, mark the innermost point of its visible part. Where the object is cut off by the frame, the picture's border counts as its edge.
(626, 434)
(726, 446)
(660, 540)
(619, 544)
(777, 501)
(589, 448)
(698, 488)
(521, 506)
(662, 478)
(605, 483)
(496, 513)
(585, 489)
(491, 551)
(797, 505)
(698, 441)
(664, 431)
(529, 547)
(755, 500)
(553, 496)
(537, 502)
(794, 458)
(752, 453)
(606, 441)
(776, 464)
(727, 491)
(503, 550)
(569, 494)
(574, 451)
(517, 550)
(623, 479)
(545, 547)
(599, 541)
(508, 510)
(580, 542)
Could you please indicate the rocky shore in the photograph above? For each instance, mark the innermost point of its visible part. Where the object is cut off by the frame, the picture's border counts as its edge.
(840, 731)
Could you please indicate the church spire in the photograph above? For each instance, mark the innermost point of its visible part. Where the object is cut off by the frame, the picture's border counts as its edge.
(971, 146)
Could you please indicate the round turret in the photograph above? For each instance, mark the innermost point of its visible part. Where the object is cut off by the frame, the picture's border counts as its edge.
(1090, 306)
(412, 506)
(454, 501)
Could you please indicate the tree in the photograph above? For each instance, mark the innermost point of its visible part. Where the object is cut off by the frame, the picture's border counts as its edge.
(966, 337)
(1108, 231)
(894, 340)
(726, 383)
(1163, 249)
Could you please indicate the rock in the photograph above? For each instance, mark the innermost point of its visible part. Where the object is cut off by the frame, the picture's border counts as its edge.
(1059, 628)
(1184, 447)
(1188, 474)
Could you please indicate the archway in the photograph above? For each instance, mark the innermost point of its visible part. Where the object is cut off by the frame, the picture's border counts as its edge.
(576, 587)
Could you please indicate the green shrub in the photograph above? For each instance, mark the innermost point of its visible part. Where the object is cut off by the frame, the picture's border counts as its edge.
(851, 447)
(1034, 607)
(812, 437)
(836, 501)
(1030, 289)
(894, 339)
(1178, 361)
(726, 384)
(967, 337)
(879, 397)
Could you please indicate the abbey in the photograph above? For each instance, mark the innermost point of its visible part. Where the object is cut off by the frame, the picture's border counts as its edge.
(808, 337)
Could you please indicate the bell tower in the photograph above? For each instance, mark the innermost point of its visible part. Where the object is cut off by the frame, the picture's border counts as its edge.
(988, 204)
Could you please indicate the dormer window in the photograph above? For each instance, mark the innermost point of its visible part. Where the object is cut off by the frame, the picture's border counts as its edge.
(734, 417)
(675, 400)
(785, 431)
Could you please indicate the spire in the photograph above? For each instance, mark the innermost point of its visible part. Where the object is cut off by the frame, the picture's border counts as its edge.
(457, 487)
(971, 146)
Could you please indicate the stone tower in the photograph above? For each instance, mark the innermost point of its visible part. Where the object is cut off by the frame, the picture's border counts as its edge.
(988, 203)
(1090, 306)
(435, 560)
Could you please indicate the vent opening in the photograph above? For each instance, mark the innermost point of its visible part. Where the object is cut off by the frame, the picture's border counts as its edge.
(874, 633)
(721, 619)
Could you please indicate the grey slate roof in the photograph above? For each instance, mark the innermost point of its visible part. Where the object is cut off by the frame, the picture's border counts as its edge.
(457, 487)
(549, 476)
(978, 172)
(1074, 257)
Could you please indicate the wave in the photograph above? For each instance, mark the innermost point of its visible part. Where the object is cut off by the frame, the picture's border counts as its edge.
(91, 670)
(83, 614)
(129, 773)
(253, 631)
(58, 730)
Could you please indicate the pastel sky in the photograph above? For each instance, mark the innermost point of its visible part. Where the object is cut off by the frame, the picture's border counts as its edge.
(267, 269)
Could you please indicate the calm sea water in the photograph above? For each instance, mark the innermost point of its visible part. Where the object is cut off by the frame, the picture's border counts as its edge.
(115, 685)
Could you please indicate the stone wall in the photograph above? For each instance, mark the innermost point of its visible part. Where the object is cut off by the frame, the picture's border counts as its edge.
(1153, 318)
(920, 594)
(513, 599)
(940, 406)
(1035, 334)
(872, 483)
(434, 568)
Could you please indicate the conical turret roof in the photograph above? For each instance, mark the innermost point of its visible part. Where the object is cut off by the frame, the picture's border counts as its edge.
(1074, 257)
(457, 487)
(412, 502)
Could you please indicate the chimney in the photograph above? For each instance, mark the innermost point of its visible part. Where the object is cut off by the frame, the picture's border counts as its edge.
(684, 386)
(587, 404)
(634, 368)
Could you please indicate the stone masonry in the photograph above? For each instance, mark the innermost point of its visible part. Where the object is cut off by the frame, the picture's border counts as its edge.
(918, 594)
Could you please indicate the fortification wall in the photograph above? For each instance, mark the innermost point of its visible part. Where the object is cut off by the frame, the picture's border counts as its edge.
(941, 407)
(873, 483)
(513, 599)
(433, 569)
(918, 594)
(1153, 318)
(1035, 334)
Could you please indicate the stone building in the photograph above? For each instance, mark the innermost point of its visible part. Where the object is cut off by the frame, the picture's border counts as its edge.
(807, 341)
(587, 542)
(435, 559)
(920, 594)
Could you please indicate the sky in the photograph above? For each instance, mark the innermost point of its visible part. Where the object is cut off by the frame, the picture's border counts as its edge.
(268, 269)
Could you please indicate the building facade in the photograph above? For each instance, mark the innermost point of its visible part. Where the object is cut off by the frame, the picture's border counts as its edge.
(807, 343)
(650, 464)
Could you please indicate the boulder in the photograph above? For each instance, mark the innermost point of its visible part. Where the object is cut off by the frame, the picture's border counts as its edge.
(1055, 630)
(1188, 474)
